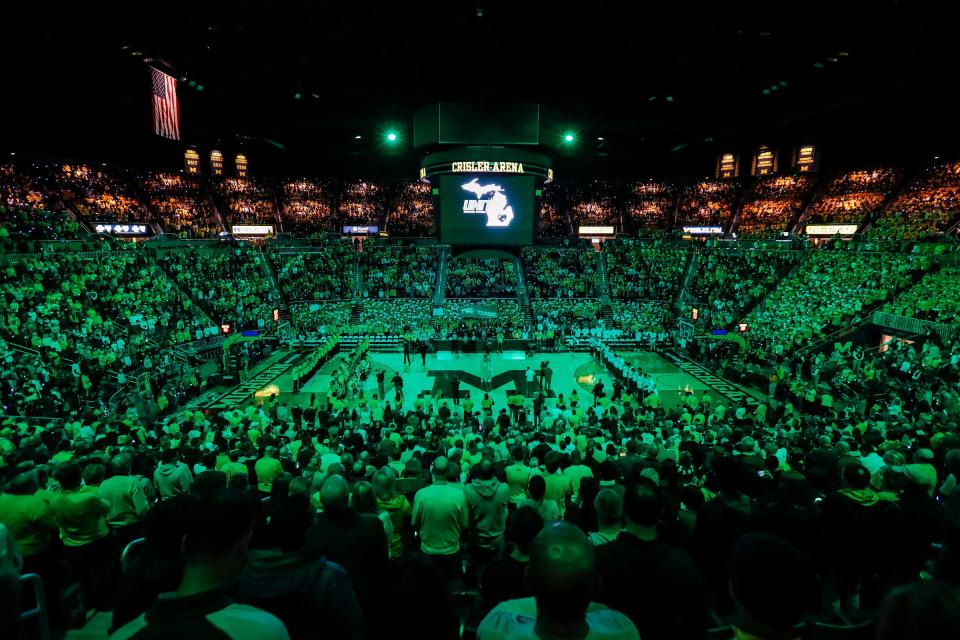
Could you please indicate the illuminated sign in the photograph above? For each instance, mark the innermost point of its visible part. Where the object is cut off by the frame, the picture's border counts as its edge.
(360, 229)
(216, 163)
(252, 229)
(241, 163)
(276, 315)
(498, 211)
(480, 166)
(191, 162)
(596, 231)
(127, 229)
(742, 327)
(703, 230)
(695, 313)
(225, 328)
(831, 229)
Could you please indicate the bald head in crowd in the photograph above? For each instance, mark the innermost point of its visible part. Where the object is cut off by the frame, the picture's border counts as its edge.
(561, 574)
(335, 495)
(440, 469)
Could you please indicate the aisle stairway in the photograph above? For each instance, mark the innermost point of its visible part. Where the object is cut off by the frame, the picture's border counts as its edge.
(523, 298)
(443, 258)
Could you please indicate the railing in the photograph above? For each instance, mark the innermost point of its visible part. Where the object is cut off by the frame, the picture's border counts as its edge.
(912, 325)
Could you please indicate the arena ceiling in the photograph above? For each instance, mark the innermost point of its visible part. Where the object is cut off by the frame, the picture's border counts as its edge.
(666, 84)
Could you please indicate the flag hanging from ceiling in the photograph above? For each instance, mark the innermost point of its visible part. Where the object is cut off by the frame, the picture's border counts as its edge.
(166, 111)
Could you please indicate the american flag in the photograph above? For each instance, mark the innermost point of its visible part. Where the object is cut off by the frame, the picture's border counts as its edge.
(166, 111)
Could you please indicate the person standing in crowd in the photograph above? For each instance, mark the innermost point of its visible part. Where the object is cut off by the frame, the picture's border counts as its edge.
(215, 548)
(267, 468)
(172, 477)
(487, 500)
(127, 502)
(440, 515)
(381, 378)
(562, 575)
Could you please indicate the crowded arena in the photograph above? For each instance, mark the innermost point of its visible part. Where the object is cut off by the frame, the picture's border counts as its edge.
(314, 326)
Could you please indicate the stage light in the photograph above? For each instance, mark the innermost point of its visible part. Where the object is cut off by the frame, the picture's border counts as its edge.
(600, 138)
(669, 98)
(199, 87)
(569, 137)
(357, 137)
(297, 95)
(391, 137)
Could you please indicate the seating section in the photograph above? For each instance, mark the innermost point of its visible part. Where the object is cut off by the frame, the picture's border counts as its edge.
(306, 206)
(634, 316)
(481, 278)
(393, 316)
(362, 202)
(773, 204)
(850, 197)
(708, 203)
(246, 201)
(649, 206)
(927, 207)
(321, 273)
(593, 204)
(729, 282)
(230, 284)
(552, 222)
(646, 271)
(412, 214)
(323, 318)
(463, 312)
(179, 205)
(826, 290)
(936, 297)
(99, 195)
(560, 273)
(391, 271)
(95, 320)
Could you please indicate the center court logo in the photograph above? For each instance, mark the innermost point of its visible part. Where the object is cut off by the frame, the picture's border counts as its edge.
(491, 200)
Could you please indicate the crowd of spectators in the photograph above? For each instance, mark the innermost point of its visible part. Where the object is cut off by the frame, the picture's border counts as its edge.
(773, 204)
(398, 271)
(552, 222)
(851, 196)
(394, 316)
(362, 202)
(92, 321)
(230, 284)
(320, 319)
(649, 206)
(926, 207)
(481, 278)
(412, 214)
(179, 204)
(322, 273)
(560, 273)
(826, 290)
(246, 201)
(644, 270)
(709, 202)
(593, 204)
(936, 297)
(99, 195)
(306, 206)
(729, 282)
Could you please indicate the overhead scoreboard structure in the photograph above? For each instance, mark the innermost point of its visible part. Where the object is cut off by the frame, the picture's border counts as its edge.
(486, 190)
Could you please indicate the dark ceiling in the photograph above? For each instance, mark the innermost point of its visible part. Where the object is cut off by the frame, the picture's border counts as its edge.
(667, 85)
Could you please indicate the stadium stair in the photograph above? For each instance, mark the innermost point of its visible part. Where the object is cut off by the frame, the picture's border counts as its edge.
(737, 206)
(443, 259)
(603, 285)
(523, 298)
(690, 269)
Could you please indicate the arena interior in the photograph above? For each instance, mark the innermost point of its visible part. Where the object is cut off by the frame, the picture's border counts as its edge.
(442, 320)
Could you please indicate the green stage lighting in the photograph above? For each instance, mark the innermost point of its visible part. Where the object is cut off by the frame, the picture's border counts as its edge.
(391, 137)
(569, 137)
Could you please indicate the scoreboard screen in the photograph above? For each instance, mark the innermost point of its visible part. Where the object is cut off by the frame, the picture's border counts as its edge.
(486, 209)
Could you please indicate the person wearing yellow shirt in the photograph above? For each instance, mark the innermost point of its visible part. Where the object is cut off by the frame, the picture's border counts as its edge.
(267, 469)
(29, 518)
(81, 516)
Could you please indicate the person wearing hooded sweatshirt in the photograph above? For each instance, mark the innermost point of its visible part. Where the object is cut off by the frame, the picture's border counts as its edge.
(172, 477)
(487, 500)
